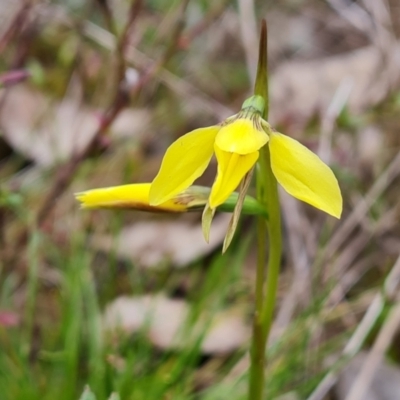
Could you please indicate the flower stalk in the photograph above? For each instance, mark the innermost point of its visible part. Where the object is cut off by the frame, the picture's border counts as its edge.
(265, 299)
(267, 195)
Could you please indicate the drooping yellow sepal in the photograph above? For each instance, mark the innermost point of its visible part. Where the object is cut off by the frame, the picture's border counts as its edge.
(184, 161)
(242, 135)
(134, 196)
(303, 175)
(232, 167)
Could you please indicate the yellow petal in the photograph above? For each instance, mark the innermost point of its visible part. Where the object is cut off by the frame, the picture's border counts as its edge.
(135, 196)
(232, 168)
(303, 175)
(242, 136)
(184, 161)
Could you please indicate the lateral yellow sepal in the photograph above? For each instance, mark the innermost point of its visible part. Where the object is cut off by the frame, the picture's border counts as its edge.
(304, 175)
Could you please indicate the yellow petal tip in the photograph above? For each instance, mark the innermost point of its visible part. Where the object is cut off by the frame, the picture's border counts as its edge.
(304, 175)
(81, 197)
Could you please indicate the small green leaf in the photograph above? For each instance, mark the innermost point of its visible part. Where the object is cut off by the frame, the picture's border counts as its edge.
(261, 84)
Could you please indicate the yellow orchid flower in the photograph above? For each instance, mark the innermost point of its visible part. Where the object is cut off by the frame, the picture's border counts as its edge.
(136, 197)
(236, 143)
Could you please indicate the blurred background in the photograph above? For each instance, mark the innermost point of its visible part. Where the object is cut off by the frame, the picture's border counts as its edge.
(138, 306)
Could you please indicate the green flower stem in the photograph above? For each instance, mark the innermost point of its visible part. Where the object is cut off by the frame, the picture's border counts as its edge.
(267, 193)
(275, 249)
(257, 350)
(267, 196)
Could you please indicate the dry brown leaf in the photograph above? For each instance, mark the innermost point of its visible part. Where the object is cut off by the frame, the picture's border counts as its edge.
(228, 331)
(152, 243)
(48, 132)
(162, 317)
(164, 321)
(289, 33)
(300, 89)
(384, 386)
(370, 149)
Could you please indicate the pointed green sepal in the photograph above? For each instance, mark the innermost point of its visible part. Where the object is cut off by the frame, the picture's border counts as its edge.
(261, 83)
(244, 186)
(208, 215)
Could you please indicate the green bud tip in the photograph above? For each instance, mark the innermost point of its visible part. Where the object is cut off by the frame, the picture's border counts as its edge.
(256, 102)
